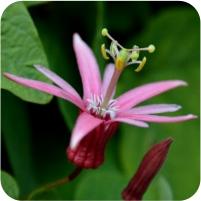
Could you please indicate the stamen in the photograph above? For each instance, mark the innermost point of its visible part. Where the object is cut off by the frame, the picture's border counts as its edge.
(103, 51)
(124, 56)
(140, 67)
(133, 62)
(106, 33)
(151, 48)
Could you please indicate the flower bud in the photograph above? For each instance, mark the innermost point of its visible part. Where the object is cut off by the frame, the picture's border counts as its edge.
(149, 167)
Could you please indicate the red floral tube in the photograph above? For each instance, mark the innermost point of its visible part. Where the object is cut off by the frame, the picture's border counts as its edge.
(90, 151)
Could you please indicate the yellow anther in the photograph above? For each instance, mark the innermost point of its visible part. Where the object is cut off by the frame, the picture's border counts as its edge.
(104, 32)
(140, 67)
(119, 64)
(151, 48)
(103, 51)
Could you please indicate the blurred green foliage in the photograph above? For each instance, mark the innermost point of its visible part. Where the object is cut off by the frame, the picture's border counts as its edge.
(17, 137)
(36, 152)
(9, 185)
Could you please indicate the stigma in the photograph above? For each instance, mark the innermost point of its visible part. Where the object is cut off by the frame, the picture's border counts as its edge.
(94, 106)
(124, 57)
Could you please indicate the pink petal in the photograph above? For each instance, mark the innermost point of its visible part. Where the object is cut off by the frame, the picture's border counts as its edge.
(84, 124)
(107, 77)
(57, 80)
(47, 88)
(88, 67)
(155, 108)
(131, 122)
(142, 93)
(158, 119)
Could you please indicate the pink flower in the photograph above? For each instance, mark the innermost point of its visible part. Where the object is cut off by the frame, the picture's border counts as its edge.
(99, 112)
(148, 168)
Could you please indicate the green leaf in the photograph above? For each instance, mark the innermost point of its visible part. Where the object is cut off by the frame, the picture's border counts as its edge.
(133, 144)
(105, 183)
(16, 134)
(46, 195)
(9, 185)
(176, 57)
(101, 185)
(21, 48)
(159, 190)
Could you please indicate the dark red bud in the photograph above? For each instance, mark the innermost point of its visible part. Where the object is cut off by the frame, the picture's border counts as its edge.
(150, 165)
(90, 151)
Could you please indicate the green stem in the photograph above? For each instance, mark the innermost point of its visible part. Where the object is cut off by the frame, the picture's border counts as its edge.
(54, 184)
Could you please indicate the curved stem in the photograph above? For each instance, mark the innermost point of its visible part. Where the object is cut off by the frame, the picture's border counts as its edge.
(54, 184)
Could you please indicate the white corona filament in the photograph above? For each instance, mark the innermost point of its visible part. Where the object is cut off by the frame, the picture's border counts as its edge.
(94, 106)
